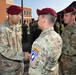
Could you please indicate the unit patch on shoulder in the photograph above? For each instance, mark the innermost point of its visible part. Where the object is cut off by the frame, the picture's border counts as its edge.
(34, 54)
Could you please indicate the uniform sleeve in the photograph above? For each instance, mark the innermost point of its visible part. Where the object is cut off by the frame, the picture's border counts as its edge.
(73, 43)
(69, 42)
(43, 57)
(73, 40)
(7, 52)
(35, 56)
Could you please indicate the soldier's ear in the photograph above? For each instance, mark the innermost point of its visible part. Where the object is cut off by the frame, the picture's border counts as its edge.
(44, 20)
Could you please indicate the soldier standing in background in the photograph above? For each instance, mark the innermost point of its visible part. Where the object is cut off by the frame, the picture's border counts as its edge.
(34, 30)
(46, 49)
(68, 56)
(31, 26)
(24, 32)
(11, 55)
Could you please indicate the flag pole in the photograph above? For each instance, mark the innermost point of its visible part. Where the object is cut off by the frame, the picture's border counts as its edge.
(22, 11)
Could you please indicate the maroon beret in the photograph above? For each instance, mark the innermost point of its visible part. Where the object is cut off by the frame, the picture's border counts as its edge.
(47, 11)
(14, 10)
(69, 9)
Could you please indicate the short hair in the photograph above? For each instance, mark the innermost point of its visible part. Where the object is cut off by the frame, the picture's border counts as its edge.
(73, 13)
(50, 18)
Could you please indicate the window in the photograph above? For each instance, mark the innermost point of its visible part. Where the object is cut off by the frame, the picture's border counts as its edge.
(24, 12)
(27, 12)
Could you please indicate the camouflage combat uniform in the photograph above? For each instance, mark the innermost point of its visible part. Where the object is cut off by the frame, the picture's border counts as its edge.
(46, 51)
(11, 54)
(68, 58)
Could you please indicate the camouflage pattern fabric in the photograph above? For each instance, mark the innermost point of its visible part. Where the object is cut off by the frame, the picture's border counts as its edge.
(11, 55)
(68, 58)
(46, 51)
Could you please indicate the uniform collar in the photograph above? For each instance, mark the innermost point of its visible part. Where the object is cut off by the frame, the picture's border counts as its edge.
(47, 30)
(9, 26)
(74, 25)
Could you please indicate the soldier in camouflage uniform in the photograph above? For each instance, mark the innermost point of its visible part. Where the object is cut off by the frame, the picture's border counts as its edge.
(46, 49)
(11, 55)
(68, 57)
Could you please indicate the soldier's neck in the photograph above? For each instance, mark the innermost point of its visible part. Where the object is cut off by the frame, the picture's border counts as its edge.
(10, 22)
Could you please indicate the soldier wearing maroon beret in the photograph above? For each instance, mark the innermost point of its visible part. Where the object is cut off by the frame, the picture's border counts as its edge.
(46, 49)
(69, 9)
(11, 54)
(68, 57)
(14, 10)
(47, 11)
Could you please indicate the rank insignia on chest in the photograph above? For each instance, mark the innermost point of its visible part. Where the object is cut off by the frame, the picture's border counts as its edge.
(34, 54)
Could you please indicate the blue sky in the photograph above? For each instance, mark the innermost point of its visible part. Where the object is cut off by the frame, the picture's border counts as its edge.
(57, 5)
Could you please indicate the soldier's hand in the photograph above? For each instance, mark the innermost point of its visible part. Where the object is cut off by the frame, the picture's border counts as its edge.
(27, 56)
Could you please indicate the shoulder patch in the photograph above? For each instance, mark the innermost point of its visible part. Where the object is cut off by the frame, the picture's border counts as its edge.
(34, 54)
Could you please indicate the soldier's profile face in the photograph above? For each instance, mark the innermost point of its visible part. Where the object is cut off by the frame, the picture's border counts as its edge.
(40, 22)
(67, 18)
(15, 18)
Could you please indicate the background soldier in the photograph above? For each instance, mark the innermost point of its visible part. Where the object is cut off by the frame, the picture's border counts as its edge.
(68, 57)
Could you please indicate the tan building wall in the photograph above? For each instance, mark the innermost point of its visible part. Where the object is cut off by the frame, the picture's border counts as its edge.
(2, 10)
(27, 14)
(9, 1)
